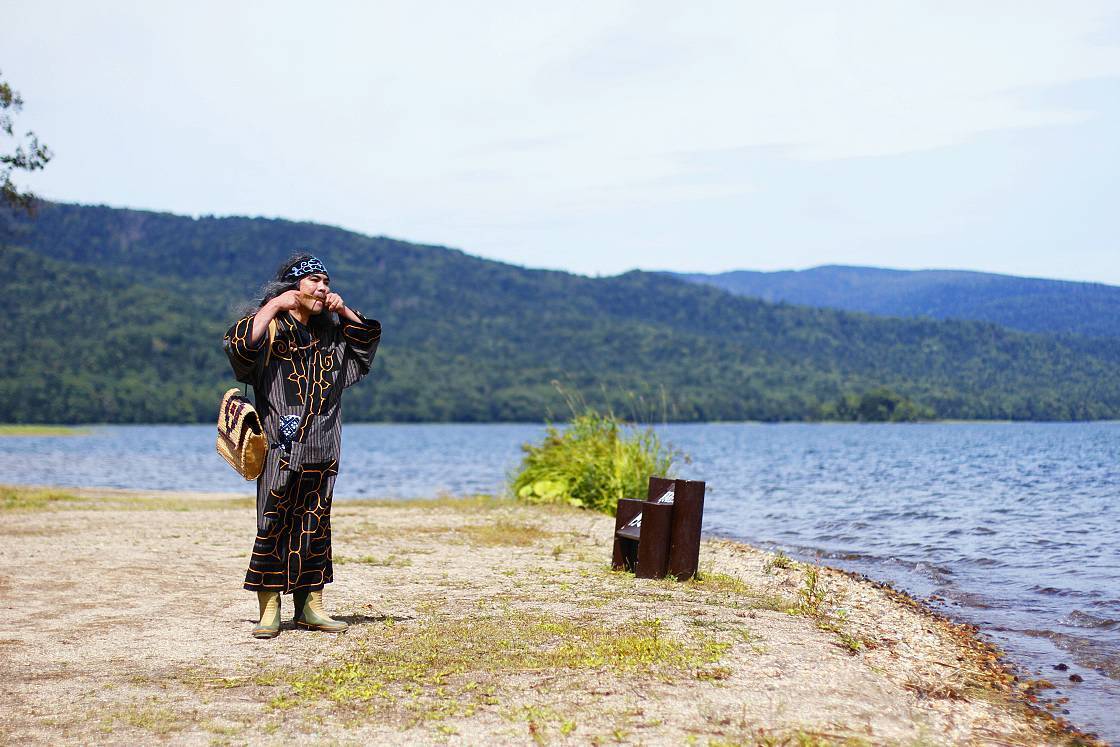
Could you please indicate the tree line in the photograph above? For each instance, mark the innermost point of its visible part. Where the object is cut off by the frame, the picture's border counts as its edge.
(129, 310)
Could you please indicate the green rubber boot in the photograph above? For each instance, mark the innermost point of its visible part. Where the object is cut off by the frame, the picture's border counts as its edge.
(310, 614)
(269, 626)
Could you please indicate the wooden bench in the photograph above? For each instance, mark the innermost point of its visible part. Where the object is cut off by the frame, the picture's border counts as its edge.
(660, 535)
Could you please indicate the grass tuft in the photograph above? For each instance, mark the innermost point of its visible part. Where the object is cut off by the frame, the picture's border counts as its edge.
(815, 596)
(720, 583)
(813, 592)
(778, 560)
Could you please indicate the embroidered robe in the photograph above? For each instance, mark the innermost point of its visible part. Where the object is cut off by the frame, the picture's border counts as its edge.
(298, 380)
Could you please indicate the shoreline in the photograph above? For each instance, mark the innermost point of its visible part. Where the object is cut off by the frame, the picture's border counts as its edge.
(757, 648)
(27, 430)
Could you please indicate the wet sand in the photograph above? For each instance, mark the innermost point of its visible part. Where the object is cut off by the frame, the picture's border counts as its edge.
(474, 621)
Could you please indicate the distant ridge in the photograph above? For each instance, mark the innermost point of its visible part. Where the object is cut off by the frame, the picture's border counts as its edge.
(117, 316)
(1029, 304)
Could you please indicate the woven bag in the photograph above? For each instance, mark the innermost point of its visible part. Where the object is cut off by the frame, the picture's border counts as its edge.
(241, 440)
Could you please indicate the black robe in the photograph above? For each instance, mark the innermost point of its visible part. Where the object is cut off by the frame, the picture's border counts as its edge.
(298, 386)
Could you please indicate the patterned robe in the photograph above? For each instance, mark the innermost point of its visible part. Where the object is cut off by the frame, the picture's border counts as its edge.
(298, 388)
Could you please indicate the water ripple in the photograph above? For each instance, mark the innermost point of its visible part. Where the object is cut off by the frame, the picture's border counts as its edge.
(1017, 526)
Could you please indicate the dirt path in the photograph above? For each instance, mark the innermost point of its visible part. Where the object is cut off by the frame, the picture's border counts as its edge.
(476, 622)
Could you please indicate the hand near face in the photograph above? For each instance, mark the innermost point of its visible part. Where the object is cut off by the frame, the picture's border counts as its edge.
(312, 299)
(288, 300)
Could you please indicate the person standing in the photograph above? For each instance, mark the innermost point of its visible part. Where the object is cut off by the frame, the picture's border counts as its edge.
(299, 350)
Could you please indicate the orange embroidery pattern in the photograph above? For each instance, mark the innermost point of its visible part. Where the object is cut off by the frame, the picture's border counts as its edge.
(293, 359)
(306, 367)
(296, 554)
(238, 339)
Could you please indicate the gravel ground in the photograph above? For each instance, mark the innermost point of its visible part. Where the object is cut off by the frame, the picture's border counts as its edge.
(473, 621)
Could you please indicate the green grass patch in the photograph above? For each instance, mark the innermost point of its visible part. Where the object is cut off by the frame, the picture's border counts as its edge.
(19, 498)
(390, 561)
(43, 430)
(725, 584)
(148, 717)
(439, 666)
(14, 498)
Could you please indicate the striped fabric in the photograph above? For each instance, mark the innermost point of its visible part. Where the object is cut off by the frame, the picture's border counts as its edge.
(299, 385)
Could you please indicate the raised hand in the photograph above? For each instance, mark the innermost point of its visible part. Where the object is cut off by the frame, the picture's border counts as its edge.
(287, 301)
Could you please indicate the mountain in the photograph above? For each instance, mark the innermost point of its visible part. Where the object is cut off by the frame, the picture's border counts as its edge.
(1028, 304)
(117, 316)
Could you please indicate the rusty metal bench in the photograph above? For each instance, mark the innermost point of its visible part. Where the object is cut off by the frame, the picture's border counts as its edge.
(661, 535)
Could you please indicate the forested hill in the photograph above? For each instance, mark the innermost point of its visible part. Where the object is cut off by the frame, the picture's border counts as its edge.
(1029, 304)
(117, 316)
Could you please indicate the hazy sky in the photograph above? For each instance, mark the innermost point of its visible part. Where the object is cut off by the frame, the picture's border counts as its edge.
(602, 136)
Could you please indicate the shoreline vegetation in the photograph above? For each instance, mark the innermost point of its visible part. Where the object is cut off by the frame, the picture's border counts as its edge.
(474, 620)
(11, 429)
(85, 429)
(592, 463)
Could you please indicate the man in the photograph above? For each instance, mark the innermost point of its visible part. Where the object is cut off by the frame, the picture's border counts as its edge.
(299, 350)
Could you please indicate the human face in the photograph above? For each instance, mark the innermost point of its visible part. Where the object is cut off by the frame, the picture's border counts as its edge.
(313, 290)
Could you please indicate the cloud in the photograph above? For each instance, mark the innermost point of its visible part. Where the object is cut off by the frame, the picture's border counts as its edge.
(470, 123)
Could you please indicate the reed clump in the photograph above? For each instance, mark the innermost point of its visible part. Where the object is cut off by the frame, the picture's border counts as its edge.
(592, 463)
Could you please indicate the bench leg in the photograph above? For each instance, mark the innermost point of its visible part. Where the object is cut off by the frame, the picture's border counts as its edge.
(653, 546)
(625, 556)
(688, 515)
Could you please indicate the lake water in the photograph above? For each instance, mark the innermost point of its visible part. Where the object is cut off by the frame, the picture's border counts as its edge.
(1015, 526)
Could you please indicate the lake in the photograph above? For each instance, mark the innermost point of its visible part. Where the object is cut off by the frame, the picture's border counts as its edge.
(1016, 527)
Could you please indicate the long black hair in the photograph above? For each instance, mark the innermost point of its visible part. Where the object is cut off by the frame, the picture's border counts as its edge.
(318, 323)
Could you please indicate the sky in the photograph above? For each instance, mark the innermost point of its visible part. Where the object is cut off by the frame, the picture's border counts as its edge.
(599, 137)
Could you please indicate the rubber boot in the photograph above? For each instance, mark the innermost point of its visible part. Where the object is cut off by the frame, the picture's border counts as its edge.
(269, 626)
(310, 614)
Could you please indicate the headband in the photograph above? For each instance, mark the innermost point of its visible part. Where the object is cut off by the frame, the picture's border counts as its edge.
(306, 267)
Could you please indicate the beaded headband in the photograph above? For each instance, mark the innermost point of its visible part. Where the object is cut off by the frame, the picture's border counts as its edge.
(306, 267)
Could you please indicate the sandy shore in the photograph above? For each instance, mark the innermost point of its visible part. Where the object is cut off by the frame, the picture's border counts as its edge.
(473, 622)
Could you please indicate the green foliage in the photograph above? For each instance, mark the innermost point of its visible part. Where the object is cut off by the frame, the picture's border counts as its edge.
(126, 311)
(880, 405)
(30, 158)
(592, 463)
